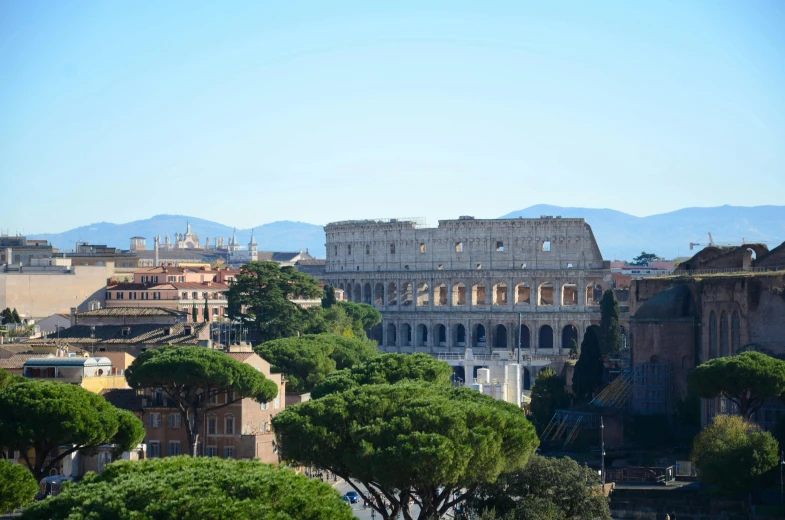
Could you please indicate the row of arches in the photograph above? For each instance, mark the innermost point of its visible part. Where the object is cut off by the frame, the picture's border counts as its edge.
(476, 335)
(724, 341)
(460, 294)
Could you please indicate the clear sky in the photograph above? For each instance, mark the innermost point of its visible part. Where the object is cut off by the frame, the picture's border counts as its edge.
(250, 112)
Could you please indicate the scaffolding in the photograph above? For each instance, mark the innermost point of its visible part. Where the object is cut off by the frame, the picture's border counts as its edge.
(651, 388)
(616, 394)
(567, 424)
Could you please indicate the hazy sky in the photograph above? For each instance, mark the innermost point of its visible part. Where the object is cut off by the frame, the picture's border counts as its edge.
(250, 112)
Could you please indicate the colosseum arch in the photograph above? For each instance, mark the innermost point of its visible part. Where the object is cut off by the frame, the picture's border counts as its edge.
(378, 294)
(527, 379)
(569, 294)
(392, 295)
(569, 334)
(423, 295)
(391, 335)
(406, 335)
(341, 287)
(376, 334)
(367, 294)
(545, 294)
(440, 294)
(406, 293)
(479, 335)
(460, 335)
(358, 296)
(712, 335)
(349, 292)
(735, 333)
(459, 294)
(545, 337)
(500, 293)
(500, 336)
(422, 335)
(523, 293)
(478, 294)
(593, 294)
(440, 335)
(724, 335)
(526, 338)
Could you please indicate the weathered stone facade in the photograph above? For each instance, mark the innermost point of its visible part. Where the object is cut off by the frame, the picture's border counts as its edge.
(464, 283)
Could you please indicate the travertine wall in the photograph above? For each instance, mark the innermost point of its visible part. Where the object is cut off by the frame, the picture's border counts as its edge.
(465, 282)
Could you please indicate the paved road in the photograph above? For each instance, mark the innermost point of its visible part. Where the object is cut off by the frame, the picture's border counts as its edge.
(359, 512)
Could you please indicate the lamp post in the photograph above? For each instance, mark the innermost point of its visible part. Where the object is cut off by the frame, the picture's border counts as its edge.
(782, 495)
(602, 454)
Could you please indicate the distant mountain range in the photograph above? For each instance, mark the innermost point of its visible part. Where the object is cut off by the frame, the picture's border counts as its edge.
(620, 235)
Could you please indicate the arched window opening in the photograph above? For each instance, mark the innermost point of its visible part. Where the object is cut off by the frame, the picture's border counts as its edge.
(569, 294)
(724, 335)
(422, 335)
(478, 294)
(406, 335)
(546, 294)
(523, 294)
(367, 296)
(406, 294)
(423, 295)
(459, 294)
(440, 295)
(735, 333)
(392, 295)
(378, 294)
(358, 297)
(460, 335)
(479, 336)
(525, 337)
(390, 335)
(569, 337)
(546, 337)
(441, 335)
(500, 337)
(712, 335)
(500, 294)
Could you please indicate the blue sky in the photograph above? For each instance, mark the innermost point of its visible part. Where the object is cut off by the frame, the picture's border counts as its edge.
(250, 112)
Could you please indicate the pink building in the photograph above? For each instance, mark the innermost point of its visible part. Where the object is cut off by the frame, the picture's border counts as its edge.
(178, 288)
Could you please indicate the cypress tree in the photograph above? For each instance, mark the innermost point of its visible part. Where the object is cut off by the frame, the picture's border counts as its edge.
(206, 312)
(194, 314)
(588, 370)
(609, 323)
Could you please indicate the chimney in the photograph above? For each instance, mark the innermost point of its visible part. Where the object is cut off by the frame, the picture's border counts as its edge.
(155, 261)
(73, 316)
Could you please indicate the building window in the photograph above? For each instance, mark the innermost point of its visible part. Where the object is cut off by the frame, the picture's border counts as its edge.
(263, 406)
(546, 246)
(229, 452)
(156, 296)
(479, 266)
(459, 247)
(229, 426)
(185, 296)
(367, 250)
(215, 311)
(174, 449)
(277, 402)
(204, 296)
(175, 420)
(423, 247)
(195, 295)
(171, 278)
(441, 266)
(154, 449)
(108, 295)
(119, 295)
(212, 451)
(155, 279)
(336, 250)
(144, 279)
(392, 249)
(212, 426)
(500, 247)
(182, 278)
(155, 420)
(213, 399)
(349, 249)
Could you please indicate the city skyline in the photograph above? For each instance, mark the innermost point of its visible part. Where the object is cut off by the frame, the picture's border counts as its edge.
(316, 113)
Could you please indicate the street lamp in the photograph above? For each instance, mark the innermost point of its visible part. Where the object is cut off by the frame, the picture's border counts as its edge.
(782, 495)
(602, 454)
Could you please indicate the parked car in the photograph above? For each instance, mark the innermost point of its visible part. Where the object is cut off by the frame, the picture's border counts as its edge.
(353, 497)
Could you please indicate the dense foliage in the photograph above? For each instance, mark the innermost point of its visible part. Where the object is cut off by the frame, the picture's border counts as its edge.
(548, 395)
(55, 419)
(192, 376)
(546, 489)
(589, 368)
(10, 316)
(260, 297)
(747, 380)
(408, 441)
(342, 318)
(308, 360)
(733, 454)
(17, 486)
(609, 323)
(183, 488)
(386, 369)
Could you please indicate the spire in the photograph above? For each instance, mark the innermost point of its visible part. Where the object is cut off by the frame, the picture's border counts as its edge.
(187, 228)
(234, 237)
(253, 240)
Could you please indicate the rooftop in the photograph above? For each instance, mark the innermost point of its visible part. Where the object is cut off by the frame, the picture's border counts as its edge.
(132, 311)
(144, 334)
(52, 361)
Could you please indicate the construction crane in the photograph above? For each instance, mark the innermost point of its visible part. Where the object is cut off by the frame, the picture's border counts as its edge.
(712, 243)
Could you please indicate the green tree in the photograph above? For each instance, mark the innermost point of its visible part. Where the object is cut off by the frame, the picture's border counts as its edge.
(408, 441)
(17, 486)
(366, 315)
(546, 489)
(194, 314)
(261, 297)
(6, 378)
(53, 420)
(184, 488)
(747, 380)
(609, 323)
(8, 316)
(329, 297)
(386, 369)
(548, 395)
(15, 316)
(589, 368)
(193, 376)
(206, 314)
(644, 258)
(307, 360)
(733, 454)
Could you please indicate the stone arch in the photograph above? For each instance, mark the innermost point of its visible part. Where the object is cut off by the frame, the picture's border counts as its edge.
(712, 335)
(478, 294)
(406, 293)
(376, 334)
(526, 338)
(523, 293)
(358, 296)
(392, 295)
(546, 337)
(440, 294)
(479, 336)
(406, 335)
(500, 293)
(422, 335)
(569, 294)
(423, 295)
(527, 379)
(569, 334)
(459, 294)
(440, 335)
(500, 336)
(545, 293)
(391, 335)
(378, 294)
(349, 292)
(593, 294)
(367, 294)
(460, 335)
(341, 287)
(735, 333)
(724, 335)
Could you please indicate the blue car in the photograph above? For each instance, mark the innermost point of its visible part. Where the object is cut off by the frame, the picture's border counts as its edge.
(353, 497)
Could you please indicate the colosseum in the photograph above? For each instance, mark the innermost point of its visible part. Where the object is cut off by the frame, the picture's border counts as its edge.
(468, 282)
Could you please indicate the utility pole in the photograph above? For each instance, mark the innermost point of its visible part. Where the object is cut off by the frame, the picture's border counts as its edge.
(782, 495)
(602, 454)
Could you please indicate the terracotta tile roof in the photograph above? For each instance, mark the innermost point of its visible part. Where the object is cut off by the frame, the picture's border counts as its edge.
(136, 334)
(17, 361)
(241, 356)
(312, 261)
(123, 398)
(197, 286)
(15, 348)
(132, 311)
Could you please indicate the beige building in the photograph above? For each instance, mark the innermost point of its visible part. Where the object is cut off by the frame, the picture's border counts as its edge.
(464, 283)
